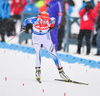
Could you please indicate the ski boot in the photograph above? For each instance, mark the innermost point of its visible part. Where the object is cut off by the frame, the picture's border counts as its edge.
(38, 74)
(63, 75)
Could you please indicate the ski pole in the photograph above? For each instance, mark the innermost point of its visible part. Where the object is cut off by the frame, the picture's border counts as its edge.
(15, 36)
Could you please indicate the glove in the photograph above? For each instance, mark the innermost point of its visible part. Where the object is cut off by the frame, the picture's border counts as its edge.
(88, 7)
(58, 26)
(51, 28)
(48, 5)
(24, 28)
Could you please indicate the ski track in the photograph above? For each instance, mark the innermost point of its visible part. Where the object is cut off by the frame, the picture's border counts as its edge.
(19, 68)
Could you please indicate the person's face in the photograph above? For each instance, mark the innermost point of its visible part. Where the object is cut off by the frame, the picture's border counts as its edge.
(31, 2)
(88, 4)
(43, 22)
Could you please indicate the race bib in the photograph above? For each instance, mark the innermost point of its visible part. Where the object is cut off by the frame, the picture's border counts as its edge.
(85, 17)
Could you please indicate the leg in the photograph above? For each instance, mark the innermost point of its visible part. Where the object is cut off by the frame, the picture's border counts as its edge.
(80, 38)
(38, 58)
(8, 27)
(88, 40)
(58, 64)
(98, 42)
(2, 27)
(60, 37)
(54, 56)
(27, 29)
(54, 37)
(51, 48)
(2, 37)
(38, 61)
(36, 44)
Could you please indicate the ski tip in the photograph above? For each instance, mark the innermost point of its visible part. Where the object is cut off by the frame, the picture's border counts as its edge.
(38, 80)
(86, 84)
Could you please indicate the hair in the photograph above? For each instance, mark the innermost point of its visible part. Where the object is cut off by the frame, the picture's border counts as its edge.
(44, 15)
(44, 12)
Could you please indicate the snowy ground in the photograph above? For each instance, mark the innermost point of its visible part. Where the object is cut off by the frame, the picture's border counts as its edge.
(17, 77)
(17, 73)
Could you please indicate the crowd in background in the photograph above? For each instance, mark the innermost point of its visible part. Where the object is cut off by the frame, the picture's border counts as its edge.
(10, 12)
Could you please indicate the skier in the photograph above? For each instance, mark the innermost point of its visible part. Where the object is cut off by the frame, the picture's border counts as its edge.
(42, 25)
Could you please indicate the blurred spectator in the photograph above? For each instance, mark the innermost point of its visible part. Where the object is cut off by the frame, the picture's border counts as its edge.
(55, 9)
(30, 8)
(71, 4)
(87, 15)
(98, 28)
(62, 27)
(17, 7)
(4, 16)
(44, 7)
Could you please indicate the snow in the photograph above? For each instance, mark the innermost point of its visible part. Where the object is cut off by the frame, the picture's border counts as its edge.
(19, 69)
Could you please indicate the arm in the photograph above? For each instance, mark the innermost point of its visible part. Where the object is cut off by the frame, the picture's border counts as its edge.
(12, 4)
(25, 9)
(83, 6)
(28, 21)
(8, 11)
(60, 13)
(93, 13)
(24, 3)
(52, 23)
(70, 9)
(82, 12)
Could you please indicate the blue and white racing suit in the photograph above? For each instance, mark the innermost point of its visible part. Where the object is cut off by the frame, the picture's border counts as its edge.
(40, 35)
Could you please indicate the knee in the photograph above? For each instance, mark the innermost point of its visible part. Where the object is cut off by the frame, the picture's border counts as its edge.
(52, 48)
(37, 47)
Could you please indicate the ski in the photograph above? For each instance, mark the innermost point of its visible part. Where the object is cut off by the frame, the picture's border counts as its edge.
(72, 81)
(38, 80)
